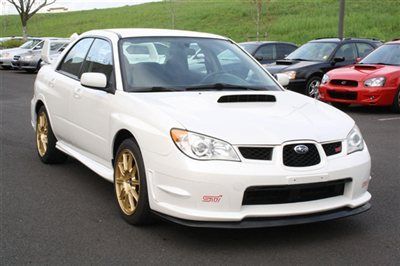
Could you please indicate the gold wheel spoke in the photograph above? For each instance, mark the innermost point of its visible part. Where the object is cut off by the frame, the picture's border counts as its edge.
(135, 182)
(131, 202)
(134, 194)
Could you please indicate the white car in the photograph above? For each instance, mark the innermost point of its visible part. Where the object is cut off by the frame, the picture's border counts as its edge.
(225, 147)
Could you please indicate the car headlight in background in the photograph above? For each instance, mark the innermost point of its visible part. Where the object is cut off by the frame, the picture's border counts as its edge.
(375, 82)
(355, 141)
(27, 57)
(201, 147)
(290, 74)
(5, 55)
(325, 79)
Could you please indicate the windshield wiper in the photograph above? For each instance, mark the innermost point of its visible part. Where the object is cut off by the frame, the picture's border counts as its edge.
(221, 86)
(153, 89)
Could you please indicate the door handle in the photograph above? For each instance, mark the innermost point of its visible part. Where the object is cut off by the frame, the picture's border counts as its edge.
(77, 93)
(51, 82)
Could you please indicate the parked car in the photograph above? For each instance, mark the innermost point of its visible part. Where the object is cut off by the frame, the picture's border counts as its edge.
(375, 80)
(225, 148)
(7, 55)
(30, 61)
(268, 52)
(307, 65)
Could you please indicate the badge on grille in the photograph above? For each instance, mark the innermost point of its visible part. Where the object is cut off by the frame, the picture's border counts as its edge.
(301, 149)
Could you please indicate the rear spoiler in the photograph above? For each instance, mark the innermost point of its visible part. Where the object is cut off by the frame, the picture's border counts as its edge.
(45, 54)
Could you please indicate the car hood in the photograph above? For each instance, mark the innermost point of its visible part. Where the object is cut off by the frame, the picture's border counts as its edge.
(361, 72)
(291, 117)
(289, 65)
(14, 51)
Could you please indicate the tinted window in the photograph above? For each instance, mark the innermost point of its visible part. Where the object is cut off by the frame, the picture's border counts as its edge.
(99, 58)
(348, 51)
(364, 49)
(284, 50)
(388, 54)
(267, 52)
(73, 60)
(313, 51)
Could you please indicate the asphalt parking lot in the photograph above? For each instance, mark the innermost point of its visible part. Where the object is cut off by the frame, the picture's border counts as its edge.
(66, 214)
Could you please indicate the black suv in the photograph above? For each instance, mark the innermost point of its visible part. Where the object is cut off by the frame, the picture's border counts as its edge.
(269, 51)
(306, 65)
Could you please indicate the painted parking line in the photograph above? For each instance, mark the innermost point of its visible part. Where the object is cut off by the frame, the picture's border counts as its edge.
(389, 118)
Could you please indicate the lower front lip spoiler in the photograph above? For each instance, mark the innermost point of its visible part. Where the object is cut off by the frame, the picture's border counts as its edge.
(270, 221)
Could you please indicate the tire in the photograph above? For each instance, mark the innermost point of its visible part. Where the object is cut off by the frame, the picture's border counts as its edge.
(396, 102)
(31, 71)
(46, 141)
(312, 87)
(129, 174)
(340, 105)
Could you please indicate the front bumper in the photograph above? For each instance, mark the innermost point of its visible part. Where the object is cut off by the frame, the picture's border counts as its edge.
(378, 96)
(24, 64)
(297, 85)
(5, 61)
(213, 191)
(271, 222)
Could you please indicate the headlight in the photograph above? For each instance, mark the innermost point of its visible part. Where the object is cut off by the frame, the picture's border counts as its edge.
(375, 82)
(290, 74)
(355, 141)
(6, 55)
(202, 147)
(325, 79)
(27, 57)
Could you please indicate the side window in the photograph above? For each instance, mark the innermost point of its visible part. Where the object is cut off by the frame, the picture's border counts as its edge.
(39, 46)
(72, 62)
(284, 50)
(348, 51)
(267, 52)
(364, 49)
(99, 59)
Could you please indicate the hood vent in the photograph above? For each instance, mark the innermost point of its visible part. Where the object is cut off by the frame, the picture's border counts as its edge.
(246, 98)
(361, 66)
(284, 62)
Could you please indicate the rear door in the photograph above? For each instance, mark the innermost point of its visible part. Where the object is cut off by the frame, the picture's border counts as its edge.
(267, 52)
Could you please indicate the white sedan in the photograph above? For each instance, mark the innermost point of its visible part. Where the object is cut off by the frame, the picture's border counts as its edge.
(211, 142)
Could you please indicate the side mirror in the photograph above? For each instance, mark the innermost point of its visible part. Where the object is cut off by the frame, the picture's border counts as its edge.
(94, 80)
(358, 59)
(338, 59)
(258, 58)
(283, 79)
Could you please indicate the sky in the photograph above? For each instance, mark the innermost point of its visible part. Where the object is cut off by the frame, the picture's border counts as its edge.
(74, 5)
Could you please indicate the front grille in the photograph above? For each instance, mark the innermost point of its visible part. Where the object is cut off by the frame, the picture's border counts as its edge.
(332, 148)
(344, 95)
(17, 57)
(256, 153)
(293, 193)
(344, 82)
(294, 159)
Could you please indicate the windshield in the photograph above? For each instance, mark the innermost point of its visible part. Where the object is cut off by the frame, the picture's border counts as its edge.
(388, 54)
(189, 63)
(30, 44)
(313, 51)
(249, 47)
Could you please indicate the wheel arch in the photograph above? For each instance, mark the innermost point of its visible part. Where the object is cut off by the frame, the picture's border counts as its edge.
(119, 137)
(38, 105)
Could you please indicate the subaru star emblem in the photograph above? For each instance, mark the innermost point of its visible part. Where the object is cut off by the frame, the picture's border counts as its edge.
(301, 149)
(343, 82)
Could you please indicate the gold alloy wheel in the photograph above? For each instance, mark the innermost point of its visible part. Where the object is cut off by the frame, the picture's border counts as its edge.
(127, 181)
(42, 131)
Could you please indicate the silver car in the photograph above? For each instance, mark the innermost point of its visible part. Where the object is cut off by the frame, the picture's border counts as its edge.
(31, 60)
(7, 55)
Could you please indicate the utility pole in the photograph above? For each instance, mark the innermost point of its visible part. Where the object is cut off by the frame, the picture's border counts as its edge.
(341, 19)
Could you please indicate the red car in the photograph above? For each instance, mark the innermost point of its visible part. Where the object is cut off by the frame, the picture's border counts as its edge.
(375, 80)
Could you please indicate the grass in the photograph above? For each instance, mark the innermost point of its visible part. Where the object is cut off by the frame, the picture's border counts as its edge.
(286, 20)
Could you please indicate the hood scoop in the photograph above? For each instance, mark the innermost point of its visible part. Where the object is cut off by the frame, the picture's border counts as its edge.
(284, 62)
(361, 66)
(247, 98)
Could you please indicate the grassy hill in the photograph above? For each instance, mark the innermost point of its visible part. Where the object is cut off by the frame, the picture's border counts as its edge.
(286, 20)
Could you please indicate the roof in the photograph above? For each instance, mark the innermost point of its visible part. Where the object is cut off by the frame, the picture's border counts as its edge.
(143, 32)
(337, 40)
(265, 42)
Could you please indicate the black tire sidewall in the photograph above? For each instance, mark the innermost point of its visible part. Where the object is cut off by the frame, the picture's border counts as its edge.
(310, 80)
(142, 212)
(395, 105)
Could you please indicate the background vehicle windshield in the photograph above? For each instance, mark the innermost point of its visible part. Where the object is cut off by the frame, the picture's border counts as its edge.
(313, 51)
(179, 63)
(249, 47)
(30, 44)
(388, 54)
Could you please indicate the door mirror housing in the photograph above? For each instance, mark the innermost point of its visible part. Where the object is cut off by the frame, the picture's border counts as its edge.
(358, 59)
(94, 80)
(338, 59)
(282, 79)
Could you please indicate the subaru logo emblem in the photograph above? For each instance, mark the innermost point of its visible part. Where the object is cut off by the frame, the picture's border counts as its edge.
(343, 82)
(301, 149)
